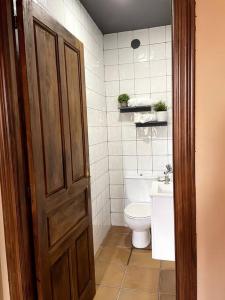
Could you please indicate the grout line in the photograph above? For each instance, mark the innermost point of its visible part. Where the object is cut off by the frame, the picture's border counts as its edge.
(130, 256)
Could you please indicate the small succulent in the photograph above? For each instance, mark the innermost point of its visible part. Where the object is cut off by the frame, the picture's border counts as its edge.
(123, 98)
(160, 106)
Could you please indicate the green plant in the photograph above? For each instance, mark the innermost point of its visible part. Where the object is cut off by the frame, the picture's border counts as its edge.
(123, 98)
(160, 106)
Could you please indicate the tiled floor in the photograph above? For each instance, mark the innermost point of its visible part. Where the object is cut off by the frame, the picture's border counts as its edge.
(124, 273)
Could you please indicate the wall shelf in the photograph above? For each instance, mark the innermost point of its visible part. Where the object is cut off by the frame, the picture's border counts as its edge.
(135, 109)
(151, 124)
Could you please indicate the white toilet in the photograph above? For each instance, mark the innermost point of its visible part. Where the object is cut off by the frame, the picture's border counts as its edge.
(137, 213)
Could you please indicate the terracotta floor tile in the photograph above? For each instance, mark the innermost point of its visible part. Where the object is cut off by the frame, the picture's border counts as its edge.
(137, 295)
(103, 293)
(109, 274)
(167, 282)
(143, 258)
(141, 278)
(167, 297)
(114, 255)
(117, 240)
(120, 229)
(167, 265)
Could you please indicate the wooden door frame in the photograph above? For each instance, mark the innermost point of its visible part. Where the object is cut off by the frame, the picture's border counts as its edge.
(13, 177)
(13, 169)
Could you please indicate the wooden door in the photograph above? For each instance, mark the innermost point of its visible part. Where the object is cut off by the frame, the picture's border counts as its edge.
(52, 71)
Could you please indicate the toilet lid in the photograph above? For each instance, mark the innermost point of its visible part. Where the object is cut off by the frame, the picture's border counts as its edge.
(138, 210)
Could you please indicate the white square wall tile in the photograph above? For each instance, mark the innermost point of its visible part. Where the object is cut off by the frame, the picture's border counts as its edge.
(114, 134)
(130, 162)
(115, 163)
(141, 54)
(141, 70)
(169, 99)
(170, 131)
(127, 86)
(159, 147)
(141, 35)
(113, 119)
(110, 41)
(116, 177)
(116, 191)
(155, 97)
(111, 73)
(168, 50)
(124, 39)
(158, 51)
(170, 147)
(142, 86)
(112, 88)
(157, 35)
(126, 71)
(158, 84)
(129, 148)
(169, 67)
(145, 163)
(129, 133)
(126, 56)
(168, 33)
(111, 57)
(117, 205)
(144, 147)
(158, 68)
(115, 148)
(159, 163)
(169, 83)
(112, 103)
(117, 219)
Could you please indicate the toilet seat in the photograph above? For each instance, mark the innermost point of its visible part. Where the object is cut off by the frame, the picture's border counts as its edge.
(138, 210)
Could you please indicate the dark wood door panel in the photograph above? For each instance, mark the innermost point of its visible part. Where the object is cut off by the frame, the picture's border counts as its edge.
(74, 92)
(83, 262)
(46, 53)
(66, 218)
(61, 279)
(60, 198)
(67, 242)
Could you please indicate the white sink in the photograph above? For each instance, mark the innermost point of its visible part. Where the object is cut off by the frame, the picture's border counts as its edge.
(161, 188)
(162, 222)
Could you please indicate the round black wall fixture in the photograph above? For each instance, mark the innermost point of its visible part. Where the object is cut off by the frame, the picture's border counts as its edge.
(135, 44)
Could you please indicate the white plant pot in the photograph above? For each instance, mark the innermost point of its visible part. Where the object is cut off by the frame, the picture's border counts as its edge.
(162, 116)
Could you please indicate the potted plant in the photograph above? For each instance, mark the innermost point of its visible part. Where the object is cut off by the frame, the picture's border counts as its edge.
(161, 111)
(123, 100)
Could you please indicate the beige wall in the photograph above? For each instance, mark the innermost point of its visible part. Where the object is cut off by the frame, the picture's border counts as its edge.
(4, 288)
(210, 152)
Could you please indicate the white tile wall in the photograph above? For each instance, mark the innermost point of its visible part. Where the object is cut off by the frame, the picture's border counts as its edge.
(75, 18)
(115, 145)
(143, 72)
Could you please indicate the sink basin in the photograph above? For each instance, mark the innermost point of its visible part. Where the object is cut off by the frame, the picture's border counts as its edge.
(160, 188)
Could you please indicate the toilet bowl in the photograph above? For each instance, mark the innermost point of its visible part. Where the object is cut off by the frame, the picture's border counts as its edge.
(137, 212)
(138, 217)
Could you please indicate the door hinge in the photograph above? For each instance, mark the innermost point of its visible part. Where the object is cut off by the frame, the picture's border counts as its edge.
(15, 22)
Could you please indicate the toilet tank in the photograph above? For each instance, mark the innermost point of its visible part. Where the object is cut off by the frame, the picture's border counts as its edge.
(138, 187)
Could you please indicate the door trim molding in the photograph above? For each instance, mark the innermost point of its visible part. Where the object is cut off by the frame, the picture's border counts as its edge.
(12, 171)
(184, 148)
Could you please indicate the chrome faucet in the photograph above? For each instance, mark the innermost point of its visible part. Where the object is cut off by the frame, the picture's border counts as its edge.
(166, 178)
(169, 170)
